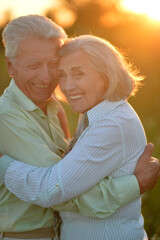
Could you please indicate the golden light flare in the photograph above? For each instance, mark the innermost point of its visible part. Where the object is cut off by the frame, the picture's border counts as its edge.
(64, 17)
(59, 95)
(111, 19)
(146, 7)
(16, 8)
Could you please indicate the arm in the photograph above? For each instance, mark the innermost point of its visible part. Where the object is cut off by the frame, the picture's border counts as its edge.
(105, 198)
(147, 172)
(10, 174)
(80, 170)
(110, 194)
(33, 149)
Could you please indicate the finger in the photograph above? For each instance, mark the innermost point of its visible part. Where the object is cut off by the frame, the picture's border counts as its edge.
(154, 164)
(155, 160)
(148, 151)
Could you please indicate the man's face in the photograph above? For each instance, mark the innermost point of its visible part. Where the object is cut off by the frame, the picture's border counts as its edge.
(35, 69)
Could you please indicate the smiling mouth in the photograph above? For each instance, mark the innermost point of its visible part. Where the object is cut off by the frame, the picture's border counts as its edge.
(42, 86)
(75, 97)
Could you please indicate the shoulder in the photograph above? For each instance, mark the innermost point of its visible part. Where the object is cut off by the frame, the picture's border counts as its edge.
(6, 104)
(10, 110)
(119, 119)
(121, 114)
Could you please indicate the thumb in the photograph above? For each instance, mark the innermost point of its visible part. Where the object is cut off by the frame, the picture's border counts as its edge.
(148, 150)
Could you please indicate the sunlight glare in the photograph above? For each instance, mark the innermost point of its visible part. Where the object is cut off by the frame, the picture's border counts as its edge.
(147, 7)
(64, 17)
(15, 8)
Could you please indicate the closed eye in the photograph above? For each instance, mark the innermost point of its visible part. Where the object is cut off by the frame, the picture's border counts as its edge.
(61, 75)
(77, 72)
(33, 66)
(53, 64)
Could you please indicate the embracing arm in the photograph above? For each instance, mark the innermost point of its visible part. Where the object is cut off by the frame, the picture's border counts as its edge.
(104, 198)
(116, 192)
(100, 201)
(85, 166)
(111, 193)
(51, 189)
(27, 144)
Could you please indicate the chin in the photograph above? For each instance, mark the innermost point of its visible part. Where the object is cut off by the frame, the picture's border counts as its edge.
(78, 110)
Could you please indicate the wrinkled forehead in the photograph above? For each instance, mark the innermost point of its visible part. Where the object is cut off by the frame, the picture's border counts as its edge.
(74, 59)
(35, 46)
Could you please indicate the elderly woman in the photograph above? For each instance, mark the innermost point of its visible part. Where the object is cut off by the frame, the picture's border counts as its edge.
(97, 81)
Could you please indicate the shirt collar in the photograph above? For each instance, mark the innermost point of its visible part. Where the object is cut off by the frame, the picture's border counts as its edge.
(52, 107)
(101, 109)
(28, 105)
(21, 98)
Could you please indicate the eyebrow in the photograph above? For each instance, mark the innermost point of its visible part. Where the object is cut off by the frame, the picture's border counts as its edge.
(76, 68)
(72, 69)
(32, 60)
(54, 60)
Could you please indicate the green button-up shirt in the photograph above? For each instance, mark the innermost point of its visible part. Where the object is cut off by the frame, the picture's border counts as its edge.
(28, 135)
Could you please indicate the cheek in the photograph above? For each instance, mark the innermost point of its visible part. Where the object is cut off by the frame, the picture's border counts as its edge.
(17, 74)
(62, 86)
(98, 93)
(28, 74)
(54, 71)
(54, 83)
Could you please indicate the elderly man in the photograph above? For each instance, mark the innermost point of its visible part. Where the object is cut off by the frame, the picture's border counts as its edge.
(30, 123)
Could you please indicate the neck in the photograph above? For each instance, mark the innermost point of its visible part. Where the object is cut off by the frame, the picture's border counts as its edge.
(43, 107)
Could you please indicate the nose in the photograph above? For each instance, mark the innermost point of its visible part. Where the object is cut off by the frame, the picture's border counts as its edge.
(45, 74)
(68, 85)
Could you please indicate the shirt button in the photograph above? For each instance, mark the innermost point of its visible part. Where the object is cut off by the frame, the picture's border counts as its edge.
(57, 186)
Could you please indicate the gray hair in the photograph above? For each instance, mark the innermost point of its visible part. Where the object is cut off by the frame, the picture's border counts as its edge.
(24, 27)
(123, 78)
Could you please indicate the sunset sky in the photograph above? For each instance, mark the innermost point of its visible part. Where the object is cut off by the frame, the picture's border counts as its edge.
(16, 8)
(148, 7)
(24, 7)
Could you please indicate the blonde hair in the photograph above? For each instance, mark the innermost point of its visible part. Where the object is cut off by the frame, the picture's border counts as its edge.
(28, 26)
(123, 79)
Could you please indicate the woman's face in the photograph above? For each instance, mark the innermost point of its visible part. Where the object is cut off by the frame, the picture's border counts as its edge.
(83, 86)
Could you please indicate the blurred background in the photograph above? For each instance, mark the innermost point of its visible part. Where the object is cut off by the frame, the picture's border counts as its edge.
(131, 25)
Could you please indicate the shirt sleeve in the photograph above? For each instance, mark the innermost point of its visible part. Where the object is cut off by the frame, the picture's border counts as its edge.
(105, 198)
(90, 161)
(100, 201)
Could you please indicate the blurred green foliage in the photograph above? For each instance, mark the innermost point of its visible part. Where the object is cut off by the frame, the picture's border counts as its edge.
(140, 39)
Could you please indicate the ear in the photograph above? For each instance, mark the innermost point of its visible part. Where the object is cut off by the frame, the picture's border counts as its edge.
(9, 66)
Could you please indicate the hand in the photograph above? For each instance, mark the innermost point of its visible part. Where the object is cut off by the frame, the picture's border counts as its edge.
(1, 155)
(147, 170)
